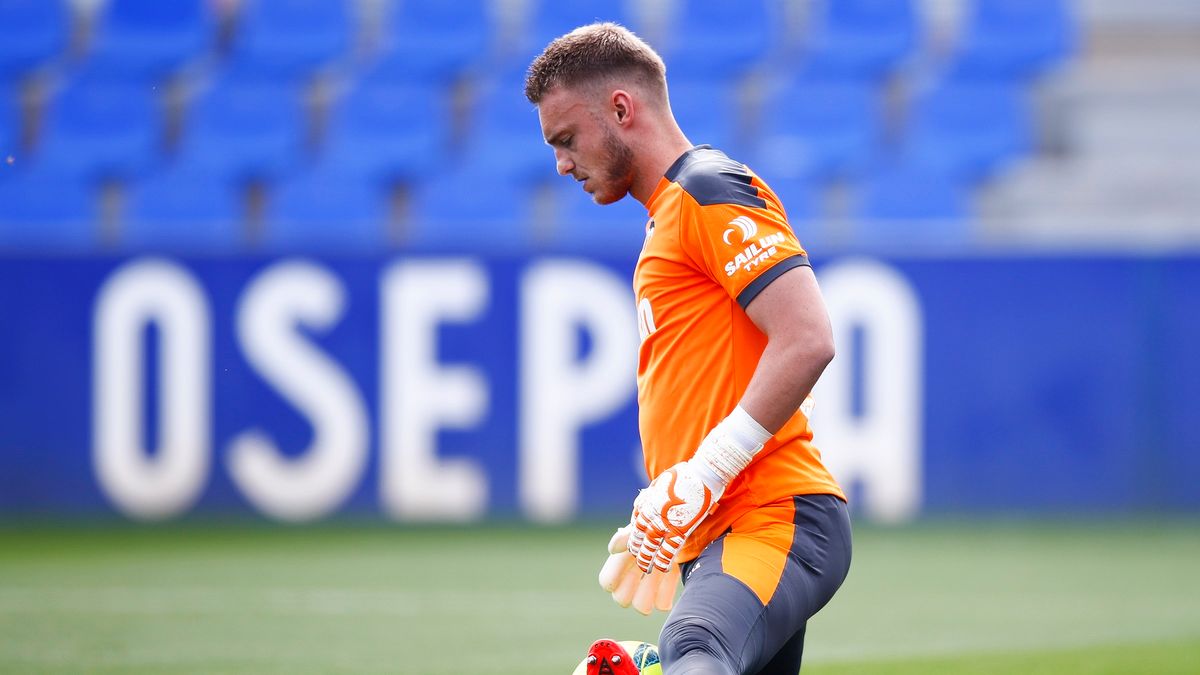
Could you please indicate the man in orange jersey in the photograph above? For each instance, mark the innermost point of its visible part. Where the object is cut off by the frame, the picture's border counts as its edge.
(734, 336)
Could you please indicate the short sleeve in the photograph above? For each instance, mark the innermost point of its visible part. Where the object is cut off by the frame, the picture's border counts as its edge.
(741, 247)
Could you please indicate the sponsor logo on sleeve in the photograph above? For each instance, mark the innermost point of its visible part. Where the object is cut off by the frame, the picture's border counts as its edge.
(755, 254)
(747, 227)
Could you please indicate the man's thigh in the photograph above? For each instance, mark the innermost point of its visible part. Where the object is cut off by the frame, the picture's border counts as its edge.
(753, 590)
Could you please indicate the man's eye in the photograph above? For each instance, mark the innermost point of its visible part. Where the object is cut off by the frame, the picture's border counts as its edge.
(566, 142)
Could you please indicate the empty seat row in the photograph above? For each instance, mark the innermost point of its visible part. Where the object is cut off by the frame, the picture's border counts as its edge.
(330, 172)
(822, 130)
(430, 39)
(387, 132)
(464, 209)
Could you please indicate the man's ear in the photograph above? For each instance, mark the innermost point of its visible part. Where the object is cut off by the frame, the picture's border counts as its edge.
(622, 107)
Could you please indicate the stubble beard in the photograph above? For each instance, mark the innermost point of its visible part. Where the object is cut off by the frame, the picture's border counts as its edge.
(618, 173)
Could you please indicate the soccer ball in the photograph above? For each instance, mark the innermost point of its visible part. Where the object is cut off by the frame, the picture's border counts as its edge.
(604, 658)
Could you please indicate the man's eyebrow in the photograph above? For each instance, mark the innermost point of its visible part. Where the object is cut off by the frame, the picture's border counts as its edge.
(557, 136)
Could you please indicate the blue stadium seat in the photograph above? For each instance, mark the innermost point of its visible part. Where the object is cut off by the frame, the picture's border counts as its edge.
(470, 209)
(32, 32)
(244, 130)
(580, 224)
(183, 210)
(912, 193)
(971, 130)
(718, 39)
(44, 211)
(291, 39)
(387, 132)
(102, 129)
(801, 201)
(860, 39)
(433, 40)
(322, 210)
(1013, 39)
(150, 39)
(912, 206)
(10, 124)
(506, 137)
(707, 113)
(818, 129)
(551, 18)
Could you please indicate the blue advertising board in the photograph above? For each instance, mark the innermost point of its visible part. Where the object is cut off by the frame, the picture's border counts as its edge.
(424, 388)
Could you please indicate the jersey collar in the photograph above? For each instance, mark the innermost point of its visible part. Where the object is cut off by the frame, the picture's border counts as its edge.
(670, 175)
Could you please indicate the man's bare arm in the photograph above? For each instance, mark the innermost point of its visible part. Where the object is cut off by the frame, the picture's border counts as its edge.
(792, 314)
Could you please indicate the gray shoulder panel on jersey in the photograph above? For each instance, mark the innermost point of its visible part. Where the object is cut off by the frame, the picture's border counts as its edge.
(710, 177)
(763, 280)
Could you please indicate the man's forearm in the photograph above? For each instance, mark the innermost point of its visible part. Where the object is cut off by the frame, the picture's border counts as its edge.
(786, 374)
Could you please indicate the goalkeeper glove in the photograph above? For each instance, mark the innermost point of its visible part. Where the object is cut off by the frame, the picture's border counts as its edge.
(670, 509)
(621, 577)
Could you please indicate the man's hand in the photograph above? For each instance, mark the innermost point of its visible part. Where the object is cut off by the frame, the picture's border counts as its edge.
(667, 512)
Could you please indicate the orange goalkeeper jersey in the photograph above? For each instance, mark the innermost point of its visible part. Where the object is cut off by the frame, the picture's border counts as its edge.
(717, 236)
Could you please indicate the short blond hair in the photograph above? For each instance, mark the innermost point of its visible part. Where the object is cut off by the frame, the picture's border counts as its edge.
(593, 53)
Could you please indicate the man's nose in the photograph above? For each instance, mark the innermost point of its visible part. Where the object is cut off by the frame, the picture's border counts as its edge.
(563, 163)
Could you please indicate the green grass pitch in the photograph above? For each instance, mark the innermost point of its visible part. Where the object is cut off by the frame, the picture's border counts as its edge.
(933, 598)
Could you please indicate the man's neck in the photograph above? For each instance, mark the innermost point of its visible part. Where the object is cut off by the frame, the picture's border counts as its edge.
(657, 157)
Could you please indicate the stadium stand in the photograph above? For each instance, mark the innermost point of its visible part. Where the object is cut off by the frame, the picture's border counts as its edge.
(549, 19)
(150, 39)
(581, 226)
(432, 40)
(472, 209)
(804, 205)
(32, 33)
(43, 211)
(183, 210)
(245, 130)
(912, 204)
(819, 130)
(322, 209)
(544, 20)
(10, 124)
(1012, 39)
(706, 115)
(893, 218)
(859, 39)
(873, 106)
(102, 129)
(506, 138)
(387, 131)
(718, 40)
(1120, 163)
(291, 39)
(800, 198)
(968, 129)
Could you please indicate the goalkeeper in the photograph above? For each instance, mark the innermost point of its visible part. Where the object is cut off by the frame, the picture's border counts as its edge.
(734, 336)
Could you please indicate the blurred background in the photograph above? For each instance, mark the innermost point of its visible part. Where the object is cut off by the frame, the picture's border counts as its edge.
(311, 362)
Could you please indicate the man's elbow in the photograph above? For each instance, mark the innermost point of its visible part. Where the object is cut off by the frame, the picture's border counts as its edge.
(823, 351)
(814, 353)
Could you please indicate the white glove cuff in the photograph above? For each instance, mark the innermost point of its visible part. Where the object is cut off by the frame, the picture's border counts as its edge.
(729, 448)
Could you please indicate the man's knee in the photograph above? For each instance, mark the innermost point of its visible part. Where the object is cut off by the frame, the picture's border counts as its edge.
(691, 644)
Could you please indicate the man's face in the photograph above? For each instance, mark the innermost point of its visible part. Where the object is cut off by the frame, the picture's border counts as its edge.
(583, 135)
